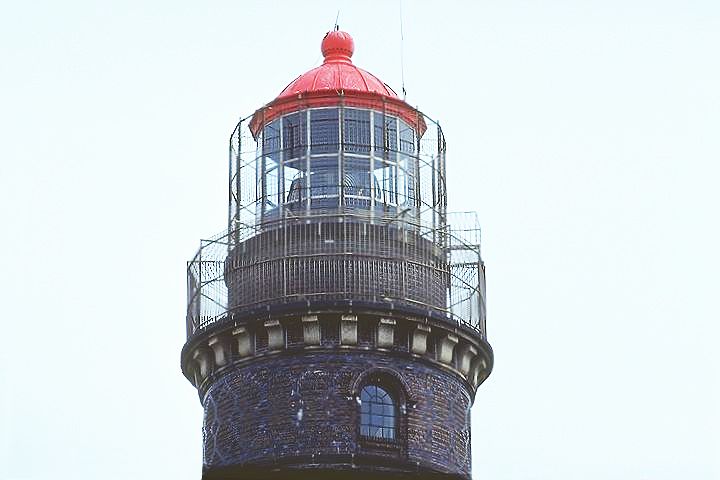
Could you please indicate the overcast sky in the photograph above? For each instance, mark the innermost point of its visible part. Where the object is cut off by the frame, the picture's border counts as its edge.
(586, 134)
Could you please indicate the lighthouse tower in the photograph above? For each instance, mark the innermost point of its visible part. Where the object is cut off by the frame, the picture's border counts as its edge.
(337, 328)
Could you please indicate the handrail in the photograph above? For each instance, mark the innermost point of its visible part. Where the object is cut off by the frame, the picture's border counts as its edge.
(209, 300)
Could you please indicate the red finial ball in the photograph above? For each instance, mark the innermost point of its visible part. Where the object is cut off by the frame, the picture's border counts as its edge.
(337, 46)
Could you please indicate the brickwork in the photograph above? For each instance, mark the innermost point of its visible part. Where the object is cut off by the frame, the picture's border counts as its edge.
(304, 405)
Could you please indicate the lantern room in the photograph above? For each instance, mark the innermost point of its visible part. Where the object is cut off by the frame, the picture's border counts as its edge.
(337, 140)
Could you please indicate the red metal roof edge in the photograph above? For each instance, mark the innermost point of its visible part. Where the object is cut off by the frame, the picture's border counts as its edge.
(369, 100)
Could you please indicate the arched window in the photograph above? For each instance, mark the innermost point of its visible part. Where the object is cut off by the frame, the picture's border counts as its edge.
(377, 413)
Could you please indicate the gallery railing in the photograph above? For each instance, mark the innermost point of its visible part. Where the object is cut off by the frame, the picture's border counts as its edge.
(337, 259)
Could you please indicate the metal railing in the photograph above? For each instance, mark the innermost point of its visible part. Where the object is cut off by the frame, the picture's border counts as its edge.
(336, 259)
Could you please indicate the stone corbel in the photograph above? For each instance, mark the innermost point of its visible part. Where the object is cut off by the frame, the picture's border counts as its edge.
(192, 368)
(386, 333)
(466, 352)
(311, 330)
(476, 368)
(419, 339)
(446, 345)
(276, 340)
(348, 330)
(244, 341)
(220, 349)
(202, 358)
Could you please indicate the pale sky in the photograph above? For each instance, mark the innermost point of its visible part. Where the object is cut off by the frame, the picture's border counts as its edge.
(584, 133)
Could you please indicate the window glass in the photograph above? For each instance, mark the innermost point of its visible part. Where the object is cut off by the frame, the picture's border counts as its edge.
(356, 182)
(385, 135)
(324, 177)
(402, 183)
(357, 177)
(356, 131)
(386, 178)
(294, 135)
(295, 186)
(406, 181)
(271, 140)
(407, 138)
(377, 413)
(271, 184)
(324, 130)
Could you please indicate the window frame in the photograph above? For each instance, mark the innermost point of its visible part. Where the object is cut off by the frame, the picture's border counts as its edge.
(377, 397)
(391, 382)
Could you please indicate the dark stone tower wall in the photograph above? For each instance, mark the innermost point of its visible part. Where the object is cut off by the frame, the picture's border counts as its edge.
(284, 394)
(299, 410)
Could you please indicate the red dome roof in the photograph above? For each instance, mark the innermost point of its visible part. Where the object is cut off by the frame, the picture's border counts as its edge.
(337, 78)
(337, 73)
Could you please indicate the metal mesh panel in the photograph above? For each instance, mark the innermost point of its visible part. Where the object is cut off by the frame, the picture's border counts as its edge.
(467, 271)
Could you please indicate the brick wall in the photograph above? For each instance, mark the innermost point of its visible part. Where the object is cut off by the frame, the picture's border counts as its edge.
(302, 407)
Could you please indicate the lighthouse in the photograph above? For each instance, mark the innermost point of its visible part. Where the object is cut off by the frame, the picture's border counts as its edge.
(337, 329)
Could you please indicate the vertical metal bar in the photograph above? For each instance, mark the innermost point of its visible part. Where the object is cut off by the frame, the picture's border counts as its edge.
(285, 232)
(442, 185)
(385, 155)
(418, 175)
(341, 155)
(481, 299)
(397, 161)
(372, 164)
(281, 174)
(307, 161)
(200, 285)
(190, 306)
(230, 180)
(435, 164)
(263, 177)
(344, 259)
(238, 186)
